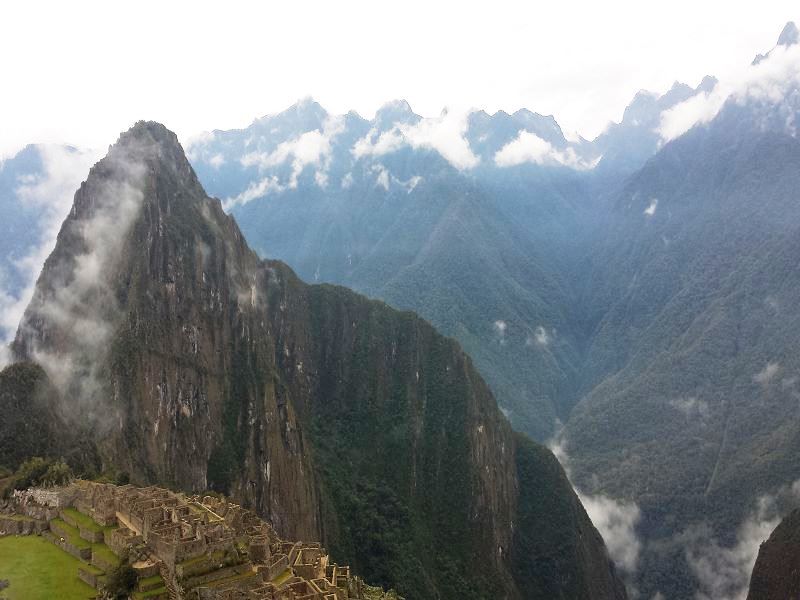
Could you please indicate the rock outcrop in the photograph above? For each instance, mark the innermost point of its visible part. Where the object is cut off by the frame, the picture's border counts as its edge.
(776, 575)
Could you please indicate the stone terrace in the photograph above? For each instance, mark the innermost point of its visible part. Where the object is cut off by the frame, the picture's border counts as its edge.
(182, 547)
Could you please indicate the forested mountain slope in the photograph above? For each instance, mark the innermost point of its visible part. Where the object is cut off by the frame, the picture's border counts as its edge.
(188, 361)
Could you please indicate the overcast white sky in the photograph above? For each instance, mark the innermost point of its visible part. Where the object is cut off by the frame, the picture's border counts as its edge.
(81, 72)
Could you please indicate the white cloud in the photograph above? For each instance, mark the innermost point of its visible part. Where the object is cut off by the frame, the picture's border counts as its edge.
(444, 134)
(500, 327)
(51, 193)
(528, 147)
(698, 109)
(60, 310)
(651, 209)
(770, 80)
(540, 337)
(691, 407)
(217, 160)
(347, 181)
(412, 183)
(256, 189)
(196, 146)
(321, 179)
(767, 373)
(511, 65)
(383, 177)
(616, 520)
(376, 143)
(723, 573)
(312, 148)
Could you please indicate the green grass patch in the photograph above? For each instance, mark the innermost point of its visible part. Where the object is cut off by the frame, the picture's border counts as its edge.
(39, 570)
(148, 580)
(82, 520)
(70, 533)
(105, 553)
(97, 571)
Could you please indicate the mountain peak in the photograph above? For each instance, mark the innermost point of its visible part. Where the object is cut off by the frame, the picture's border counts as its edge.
(398, 106)
(708, 83)
(304, 115)
(308, 107)
(148, 146)
(790, 35)
(394, 111)
(149, 141)
(148, 130)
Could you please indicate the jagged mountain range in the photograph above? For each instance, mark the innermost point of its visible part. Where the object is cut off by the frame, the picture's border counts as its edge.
(475, 221)
(635, 290)
(642, 299)
(334, 160)
(172, 352)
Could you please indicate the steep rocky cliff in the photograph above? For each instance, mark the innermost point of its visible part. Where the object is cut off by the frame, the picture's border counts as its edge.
(776, 575)
(193, 363)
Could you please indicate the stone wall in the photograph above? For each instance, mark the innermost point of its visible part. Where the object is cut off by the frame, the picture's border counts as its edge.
(20, 525)
(199, 580)
(278, 565)
(119, 539)
(53, 498)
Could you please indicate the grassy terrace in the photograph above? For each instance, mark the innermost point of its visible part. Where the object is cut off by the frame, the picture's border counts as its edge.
(70, 533)
(83, 521)
(92, 569)
(105, 553)
(149, 580)
(38, 570)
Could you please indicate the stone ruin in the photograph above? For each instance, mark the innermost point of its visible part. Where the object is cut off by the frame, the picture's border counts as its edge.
(192, 547)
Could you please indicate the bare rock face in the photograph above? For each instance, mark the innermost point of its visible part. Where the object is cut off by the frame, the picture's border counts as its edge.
(776, 575)
(149, 300)
(195, 364)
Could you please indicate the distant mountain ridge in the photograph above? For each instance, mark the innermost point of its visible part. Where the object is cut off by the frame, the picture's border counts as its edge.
(187, 360)
(631, 295)
(512, 183)
(608, 296)
(225, 157)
